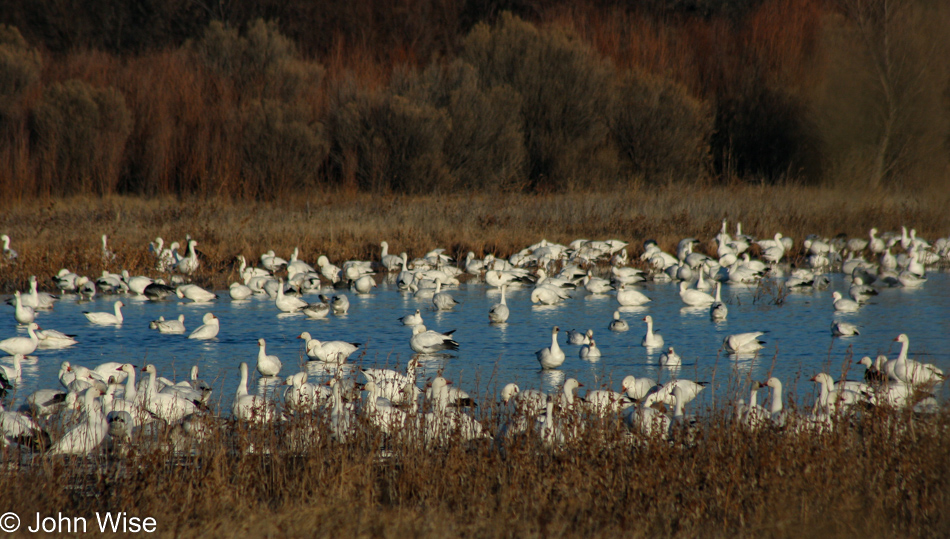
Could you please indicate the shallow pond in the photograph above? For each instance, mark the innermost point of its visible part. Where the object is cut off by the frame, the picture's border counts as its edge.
(799, 340)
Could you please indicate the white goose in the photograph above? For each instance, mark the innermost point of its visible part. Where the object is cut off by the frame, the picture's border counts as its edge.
(266, 365)
(86, 437)
(13, 373)
(194, 293)
(23, 314)
(718, 310)
(413, 319)
(165, 406)
(743, 343)
(693, 297)
(579, 338)
(913, 372)
(239, 291)
(189, 264)
(498, 314)
(50, 339)
(844, 305)
(287, 304)
(844, 329)
(443, 301)
(252, 408)
(171, 327)
(107, 319)
(425, 341)
(617, 324)
(209, 328)
(328, 351)
(630, 297)
(651, 339)
(670, 358)
(551, 357)
(388, 261)
(590, 351)
(22, 345)
(8, 253)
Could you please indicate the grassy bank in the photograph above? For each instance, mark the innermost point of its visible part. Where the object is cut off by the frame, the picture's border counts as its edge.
(66, 232)
(883, 474)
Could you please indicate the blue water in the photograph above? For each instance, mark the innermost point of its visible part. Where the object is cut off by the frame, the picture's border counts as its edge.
(799, 340)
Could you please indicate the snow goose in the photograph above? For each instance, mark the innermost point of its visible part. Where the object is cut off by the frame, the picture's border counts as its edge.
(617, 324)
(251, 408)
(831, 398)
(328, 351)
(209, 328)
(776, 412)
(13, 373)
(166, 406)
(577, 338)
(304, 396)
(648, 421)
(443, 301)
(36, 299)
(50, 339)
(189, 264)
(23, 314)
(498, 314)
(605, 401)
(107, 254)
(316, 311)
(363, 285)
(630, 297)
(596, 285)
(844, 329)
(239, 291)
(548, 295)
(385, 375)
(693, 297)
(9, 254)
(497, 278)
(651, 339)
(844, 305)
(107, 319)
(859, 291)
(266, 365)
(388, 261)
(551, 357)
(287, 304)
(329, 271)
(172, 327)
(20, 429)
(338, 304)
(426, 341)
(413, 319)
(296, 266)
(625, 275)
(380, 411)
(913, 372)
(111, 283)
(743, 343)
(752, 416)
(86, 437)
(194, 293)
(590, 351)
(22, 345)
(670, 358)
(909, 279)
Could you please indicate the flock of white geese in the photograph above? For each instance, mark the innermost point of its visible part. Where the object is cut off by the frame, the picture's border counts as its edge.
(113, 402)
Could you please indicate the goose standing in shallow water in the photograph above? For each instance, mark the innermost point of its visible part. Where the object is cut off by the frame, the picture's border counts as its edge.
(9, 254)
(498, 314)
(913, 372)
(107, 319)
(208, 330)
(23, 314)
(266, 365)
(22, 345)
(86, 437)
(651, 339)
(551, 357)
(251, 407)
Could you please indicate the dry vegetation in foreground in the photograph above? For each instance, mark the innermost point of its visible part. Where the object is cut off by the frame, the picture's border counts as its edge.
(66, 232)
(880, 474)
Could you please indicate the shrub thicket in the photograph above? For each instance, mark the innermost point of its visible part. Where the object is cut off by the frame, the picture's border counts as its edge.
(280, 150)
(484, 147)
(80, 134)
(20, 67)
(565, 90)
(662, 132)
(260, 64)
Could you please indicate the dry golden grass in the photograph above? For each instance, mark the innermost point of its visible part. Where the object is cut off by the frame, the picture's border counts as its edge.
(65, 232)
(880, 474)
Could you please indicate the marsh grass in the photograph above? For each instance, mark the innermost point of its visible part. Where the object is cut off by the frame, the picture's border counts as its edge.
(880, 473)
(65, 232)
